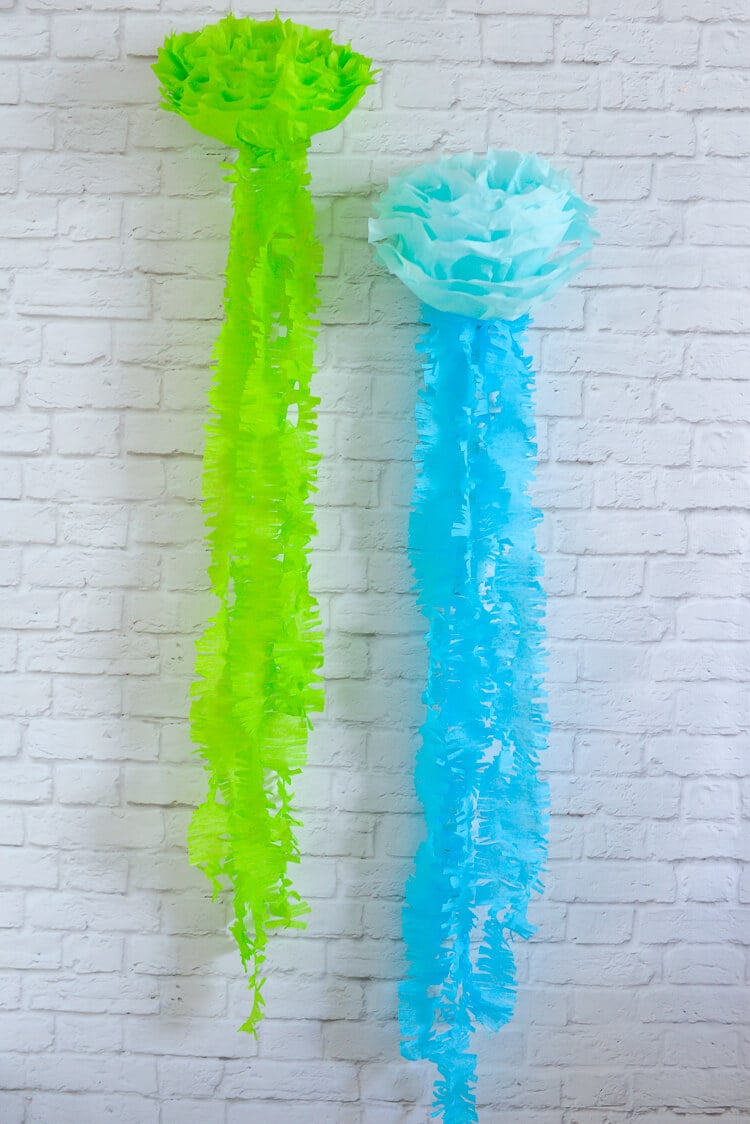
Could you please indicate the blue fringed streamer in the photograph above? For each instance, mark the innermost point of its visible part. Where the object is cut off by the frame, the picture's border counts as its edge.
(478, 576)
(481, 240)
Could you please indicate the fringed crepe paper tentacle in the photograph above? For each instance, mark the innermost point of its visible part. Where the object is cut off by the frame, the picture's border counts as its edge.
(477, 238)
(478, 578)
(264, 88)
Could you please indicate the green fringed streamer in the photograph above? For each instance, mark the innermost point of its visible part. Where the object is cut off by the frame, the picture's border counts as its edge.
(264, 87)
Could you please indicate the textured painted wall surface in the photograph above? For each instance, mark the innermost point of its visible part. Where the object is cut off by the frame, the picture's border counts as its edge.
(120, 991)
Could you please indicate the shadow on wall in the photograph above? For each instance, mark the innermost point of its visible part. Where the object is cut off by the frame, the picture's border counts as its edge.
(183, 959)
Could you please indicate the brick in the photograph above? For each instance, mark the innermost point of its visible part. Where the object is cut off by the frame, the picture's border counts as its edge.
(631, 41)
(77, 1034)
(724, 135)
(622, 533)
(93, 130)
(589, 925)
(711, 488)
(10, 480)
(705, 1088)
(590, 442)
(709, 90)
(609, 881)
(94, 870)
(83, 433)
(694, 578)
(400, 133)
(23, 1032)
(572, 88)
(717, 533)
(77, 343)
(602, 1047)
(83, 479)
(628, 134)
(80, 294)
(24, 38)
(617, 179)
(402, 41)
(596, 1088)
(85, 37)
(689, 754)
(81, 83)
(710, 1046)
(147, 784)
(182, 1038)
(712, 707)
(108, 388)
(91, 953)
(28, 522)
(164, 434)
(26, 219)
(84, 219)
(180, 1110)
(86, 696)
(103, 912)
(26, 952)
(520, 7)
(705, 10)
(66, 1108)
(694, 181)
(113, 829)
(106, 569)
(27, 128)
(540, 129)
(696, 661)
(645, 358)
(518, 40)
(10, 84)
(717, 358)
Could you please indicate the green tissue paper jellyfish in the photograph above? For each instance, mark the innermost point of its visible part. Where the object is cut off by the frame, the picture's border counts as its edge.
(263, 88)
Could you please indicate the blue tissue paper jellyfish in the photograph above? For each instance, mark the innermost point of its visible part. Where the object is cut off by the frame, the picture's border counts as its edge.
(480, 240)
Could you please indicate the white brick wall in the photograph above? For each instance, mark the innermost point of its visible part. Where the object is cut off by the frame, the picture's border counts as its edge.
(120, 991)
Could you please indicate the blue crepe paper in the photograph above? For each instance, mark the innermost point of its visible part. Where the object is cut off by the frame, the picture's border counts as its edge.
(472, 548)
(481, 240)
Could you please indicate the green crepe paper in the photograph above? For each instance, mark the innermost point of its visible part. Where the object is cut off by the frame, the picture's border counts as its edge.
(264, 87)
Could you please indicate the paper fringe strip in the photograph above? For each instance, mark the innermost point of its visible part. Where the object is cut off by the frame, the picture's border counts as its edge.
(472, 548)
(479, 238)
(263, 87)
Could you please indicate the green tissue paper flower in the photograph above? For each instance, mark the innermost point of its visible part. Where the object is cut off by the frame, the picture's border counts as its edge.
(265, 88)
(268, 85)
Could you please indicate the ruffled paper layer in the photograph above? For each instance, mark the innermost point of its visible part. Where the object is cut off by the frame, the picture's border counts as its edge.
(269, 84)
(483, 236)
(478, 576)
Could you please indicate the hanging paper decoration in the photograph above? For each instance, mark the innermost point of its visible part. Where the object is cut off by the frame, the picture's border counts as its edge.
(480, 240)
(263, 88)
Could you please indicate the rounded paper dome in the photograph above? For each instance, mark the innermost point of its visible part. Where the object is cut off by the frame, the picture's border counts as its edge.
(483, 236)
(270, 84)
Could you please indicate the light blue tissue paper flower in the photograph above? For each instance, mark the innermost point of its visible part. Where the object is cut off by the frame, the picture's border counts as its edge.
(482, 236)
